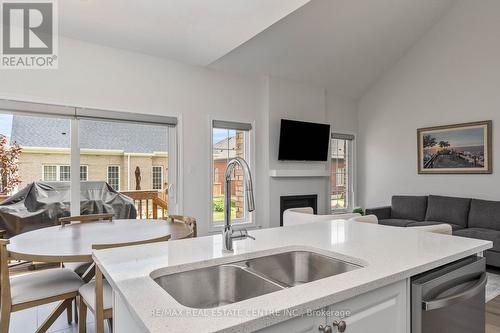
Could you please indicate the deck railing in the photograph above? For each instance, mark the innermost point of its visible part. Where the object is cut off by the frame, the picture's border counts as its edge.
(150, 204)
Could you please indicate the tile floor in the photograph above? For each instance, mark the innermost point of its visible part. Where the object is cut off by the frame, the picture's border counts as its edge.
(29, 320)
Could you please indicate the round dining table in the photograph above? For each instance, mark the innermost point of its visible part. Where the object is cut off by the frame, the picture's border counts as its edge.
(73, 242)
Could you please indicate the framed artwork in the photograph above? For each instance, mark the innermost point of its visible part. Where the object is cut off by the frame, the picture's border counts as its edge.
(455, 149)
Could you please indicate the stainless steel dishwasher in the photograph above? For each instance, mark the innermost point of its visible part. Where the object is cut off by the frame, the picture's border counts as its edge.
(450, 298)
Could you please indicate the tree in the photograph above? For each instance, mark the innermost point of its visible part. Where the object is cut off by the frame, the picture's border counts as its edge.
(444, 144)
(429, 141)
(9, 168)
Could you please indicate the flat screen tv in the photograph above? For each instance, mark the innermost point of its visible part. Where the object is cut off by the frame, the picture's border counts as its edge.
(303, 141)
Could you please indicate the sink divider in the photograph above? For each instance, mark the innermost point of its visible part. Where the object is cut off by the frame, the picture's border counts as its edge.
(243, 266)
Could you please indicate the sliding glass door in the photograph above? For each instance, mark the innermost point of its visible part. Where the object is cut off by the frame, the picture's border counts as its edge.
(101, 160)
(132, 159)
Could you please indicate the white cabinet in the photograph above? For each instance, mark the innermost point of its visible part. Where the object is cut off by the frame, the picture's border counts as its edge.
(304, 324)
(380, 311)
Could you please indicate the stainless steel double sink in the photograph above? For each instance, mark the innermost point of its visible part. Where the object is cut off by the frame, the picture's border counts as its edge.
(215, 286)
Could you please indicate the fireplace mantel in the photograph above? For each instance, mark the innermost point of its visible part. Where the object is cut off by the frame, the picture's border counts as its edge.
(298, 173)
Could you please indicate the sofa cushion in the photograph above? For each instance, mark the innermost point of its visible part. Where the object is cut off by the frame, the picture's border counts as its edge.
(396, 222)
(409, 207)
(481, 233)
(484, 214)
(448, 210)
(427, 223)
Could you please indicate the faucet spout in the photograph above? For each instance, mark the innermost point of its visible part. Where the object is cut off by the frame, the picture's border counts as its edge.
(228, 234)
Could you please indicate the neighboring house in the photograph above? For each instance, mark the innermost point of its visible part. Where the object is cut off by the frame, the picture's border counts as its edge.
(338, 178)
(223, 151)
(110, 151)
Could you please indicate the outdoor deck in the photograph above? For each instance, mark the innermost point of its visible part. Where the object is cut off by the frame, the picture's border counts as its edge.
(150, 204)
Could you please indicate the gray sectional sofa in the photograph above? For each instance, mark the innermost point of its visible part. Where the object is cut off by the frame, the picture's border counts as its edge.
(472, 218)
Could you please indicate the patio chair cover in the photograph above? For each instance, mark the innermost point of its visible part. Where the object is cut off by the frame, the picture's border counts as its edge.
(41, 204)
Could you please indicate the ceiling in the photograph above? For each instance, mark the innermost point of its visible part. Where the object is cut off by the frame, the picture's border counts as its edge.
(192, 31)
(344, 45)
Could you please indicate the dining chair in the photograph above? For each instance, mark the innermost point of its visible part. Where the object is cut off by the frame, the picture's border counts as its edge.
(86, 218)
(81, 268)
(30, 290)
(97, 295)
(187, 220)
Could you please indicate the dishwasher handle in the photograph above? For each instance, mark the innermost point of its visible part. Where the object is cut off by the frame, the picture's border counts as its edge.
(453, 299)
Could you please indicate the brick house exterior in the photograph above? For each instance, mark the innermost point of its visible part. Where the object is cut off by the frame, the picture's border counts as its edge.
(45, 142)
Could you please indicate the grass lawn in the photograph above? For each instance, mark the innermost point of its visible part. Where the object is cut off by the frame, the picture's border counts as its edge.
(338, 203)
(219, 216)
(219, 202)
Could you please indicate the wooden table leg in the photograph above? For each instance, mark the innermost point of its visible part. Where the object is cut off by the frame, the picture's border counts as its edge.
(99, 306)
(53, 316)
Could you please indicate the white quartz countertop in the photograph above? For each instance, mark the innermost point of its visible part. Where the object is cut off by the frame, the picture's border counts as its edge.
(388, 254)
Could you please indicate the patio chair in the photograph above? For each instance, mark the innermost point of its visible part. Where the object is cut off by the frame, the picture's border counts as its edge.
(97, 295)
(187, 220)
(34, 289)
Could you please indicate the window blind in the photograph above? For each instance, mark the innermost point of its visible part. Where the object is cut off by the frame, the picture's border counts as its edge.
(340, 136)
(231, 125)
(62, 111)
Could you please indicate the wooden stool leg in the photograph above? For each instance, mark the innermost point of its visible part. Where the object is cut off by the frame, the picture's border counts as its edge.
(82, 325)
(69, 312)
(110, 325)
(99, 306)
(53, 316)
(76, 309)
(5, 320)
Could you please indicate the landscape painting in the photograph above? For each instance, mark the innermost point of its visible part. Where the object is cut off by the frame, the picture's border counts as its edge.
(460, 148)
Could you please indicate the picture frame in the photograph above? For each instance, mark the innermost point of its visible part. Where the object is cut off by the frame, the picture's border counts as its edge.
(455, 149)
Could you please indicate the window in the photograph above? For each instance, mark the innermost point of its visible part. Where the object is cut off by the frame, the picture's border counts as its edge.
(114, 176)
(229, 140)
(157, 177)
(62, 173)
(84, 173)
(341, 185)
(49, 173)
(61, 143)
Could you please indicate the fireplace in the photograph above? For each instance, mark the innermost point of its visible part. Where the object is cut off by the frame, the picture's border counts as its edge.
(297, 201)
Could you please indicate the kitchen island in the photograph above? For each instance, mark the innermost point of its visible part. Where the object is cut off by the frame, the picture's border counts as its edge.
(374, 297)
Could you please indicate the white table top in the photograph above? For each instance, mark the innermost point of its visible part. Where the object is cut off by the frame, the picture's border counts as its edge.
(74, 242)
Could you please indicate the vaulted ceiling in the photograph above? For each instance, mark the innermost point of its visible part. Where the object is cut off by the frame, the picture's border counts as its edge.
(344, 45)
(191, 31)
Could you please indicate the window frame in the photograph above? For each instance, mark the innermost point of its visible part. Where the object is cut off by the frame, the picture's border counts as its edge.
(86, 173)
(58, 172)
(74, 113)
(51, 166)
(249, 220)
(119, 176)
(153, 177)
(349, 168)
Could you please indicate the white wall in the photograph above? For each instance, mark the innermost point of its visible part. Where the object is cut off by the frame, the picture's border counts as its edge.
(100, 77)
(293, 100)
(106, 78)
(451, 76)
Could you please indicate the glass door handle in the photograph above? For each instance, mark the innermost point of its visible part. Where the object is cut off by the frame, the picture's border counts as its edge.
(458, 297)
